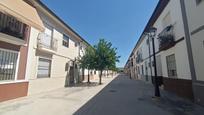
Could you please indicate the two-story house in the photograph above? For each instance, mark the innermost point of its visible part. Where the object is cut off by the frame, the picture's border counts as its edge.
(53, 53)
(16, 20)
(172, 61)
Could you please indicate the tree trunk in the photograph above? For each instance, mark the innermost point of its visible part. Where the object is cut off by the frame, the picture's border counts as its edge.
(83, 74)
(88, 77)
(100, 77)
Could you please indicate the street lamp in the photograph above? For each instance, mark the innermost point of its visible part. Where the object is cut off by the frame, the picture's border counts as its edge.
(152, 33)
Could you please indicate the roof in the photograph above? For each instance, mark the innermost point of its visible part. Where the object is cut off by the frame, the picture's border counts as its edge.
(57, 17)
(157, 12)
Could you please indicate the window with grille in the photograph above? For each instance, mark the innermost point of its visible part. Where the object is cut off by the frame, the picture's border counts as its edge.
(171, 66)
(65, 41)
(8, 65)
(11, 26)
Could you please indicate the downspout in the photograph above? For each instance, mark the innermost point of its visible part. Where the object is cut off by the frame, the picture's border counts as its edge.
(188, 43)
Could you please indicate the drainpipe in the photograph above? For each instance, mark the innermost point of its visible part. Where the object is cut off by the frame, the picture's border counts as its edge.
(188, 43)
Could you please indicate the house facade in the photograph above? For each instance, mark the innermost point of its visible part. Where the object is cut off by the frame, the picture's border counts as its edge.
(177, 63)
(193, 19)
(15, 27)
(53, 53)
(39, 52)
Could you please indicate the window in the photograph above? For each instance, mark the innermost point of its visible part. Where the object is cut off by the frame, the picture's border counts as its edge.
(65, 41)
(11, 26)
(198, 1)
(75, 44)
(171, 66)
(8, 65)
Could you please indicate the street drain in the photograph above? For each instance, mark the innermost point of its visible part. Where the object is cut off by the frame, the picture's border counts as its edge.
(112, 91)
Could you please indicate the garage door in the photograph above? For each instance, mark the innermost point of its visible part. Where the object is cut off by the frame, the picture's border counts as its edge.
(44, 66)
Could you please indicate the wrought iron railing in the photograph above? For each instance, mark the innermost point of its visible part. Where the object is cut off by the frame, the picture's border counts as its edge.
(11, 26)
(47, 41)
(166, 38)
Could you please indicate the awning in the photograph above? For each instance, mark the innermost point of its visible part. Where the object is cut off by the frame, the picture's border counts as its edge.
(23, 12)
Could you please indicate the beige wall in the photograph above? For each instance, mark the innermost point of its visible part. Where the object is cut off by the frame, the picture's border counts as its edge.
(58, 59)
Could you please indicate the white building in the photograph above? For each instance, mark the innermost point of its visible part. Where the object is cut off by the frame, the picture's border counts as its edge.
(53, 54)
(172, 59)
(193, 18)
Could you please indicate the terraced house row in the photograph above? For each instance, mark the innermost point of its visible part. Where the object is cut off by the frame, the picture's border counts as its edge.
(38, 50)
(179, 49)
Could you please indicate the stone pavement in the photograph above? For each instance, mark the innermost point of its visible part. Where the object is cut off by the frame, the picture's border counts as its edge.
(63, 101)
(133, 97)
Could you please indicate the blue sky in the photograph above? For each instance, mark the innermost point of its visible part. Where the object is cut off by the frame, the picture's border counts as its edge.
(118, 21)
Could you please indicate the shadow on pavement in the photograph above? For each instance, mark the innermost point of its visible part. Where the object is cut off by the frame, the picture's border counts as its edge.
(124, 96)
(86, 108)
(85, 84)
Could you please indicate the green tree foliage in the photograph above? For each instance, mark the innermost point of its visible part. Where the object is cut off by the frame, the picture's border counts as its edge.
(87, 61)
(105, 57)
(102, 56)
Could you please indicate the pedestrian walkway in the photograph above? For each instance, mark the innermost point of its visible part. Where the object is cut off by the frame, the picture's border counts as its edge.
(63, 101)
(133, 97)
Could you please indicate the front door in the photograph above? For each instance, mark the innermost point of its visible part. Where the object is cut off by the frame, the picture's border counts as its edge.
(71, 75)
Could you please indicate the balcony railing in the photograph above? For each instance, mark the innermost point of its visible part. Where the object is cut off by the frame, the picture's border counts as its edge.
(11, 26)
(46, 41)
(166, 38)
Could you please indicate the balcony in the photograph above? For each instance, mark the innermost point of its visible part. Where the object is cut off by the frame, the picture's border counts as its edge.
(9, 25)
(47, 43)
(166, 38)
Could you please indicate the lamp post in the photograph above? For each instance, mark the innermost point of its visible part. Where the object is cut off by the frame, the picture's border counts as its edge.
(152, 34)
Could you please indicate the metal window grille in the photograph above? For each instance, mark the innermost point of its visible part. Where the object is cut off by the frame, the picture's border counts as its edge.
(171, 66)
(11, 26)
(8, 65)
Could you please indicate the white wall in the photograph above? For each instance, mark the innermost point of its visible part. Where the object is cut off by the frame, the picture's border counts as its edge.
(182, 63)
(195, 14)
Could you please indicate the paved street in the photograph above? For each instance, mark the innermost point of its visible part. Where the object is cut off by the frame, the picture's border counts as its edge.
(62, 101)
(116, 96)
(130, 97)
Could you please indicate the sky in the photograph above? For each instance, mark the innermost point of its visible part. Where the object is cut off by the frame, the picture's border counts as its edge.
(120, 22)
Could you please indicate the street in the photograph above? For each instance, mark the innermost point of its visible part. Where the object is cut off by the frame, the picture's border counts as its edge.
(131, 97)
(117, 95)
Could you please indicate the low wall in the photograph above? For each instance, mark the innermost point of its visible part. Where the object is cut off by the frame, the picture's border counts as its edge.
(13, 90)
(181, 87)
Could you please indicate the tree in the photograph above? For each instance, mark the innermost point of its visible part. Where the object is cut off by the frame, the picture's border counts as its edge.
(105, 56)
(87, 61)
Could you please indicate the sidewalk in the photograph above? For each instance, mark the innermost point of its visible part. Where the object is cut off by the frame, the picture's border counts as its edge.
(134, 97)
(64, 101)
